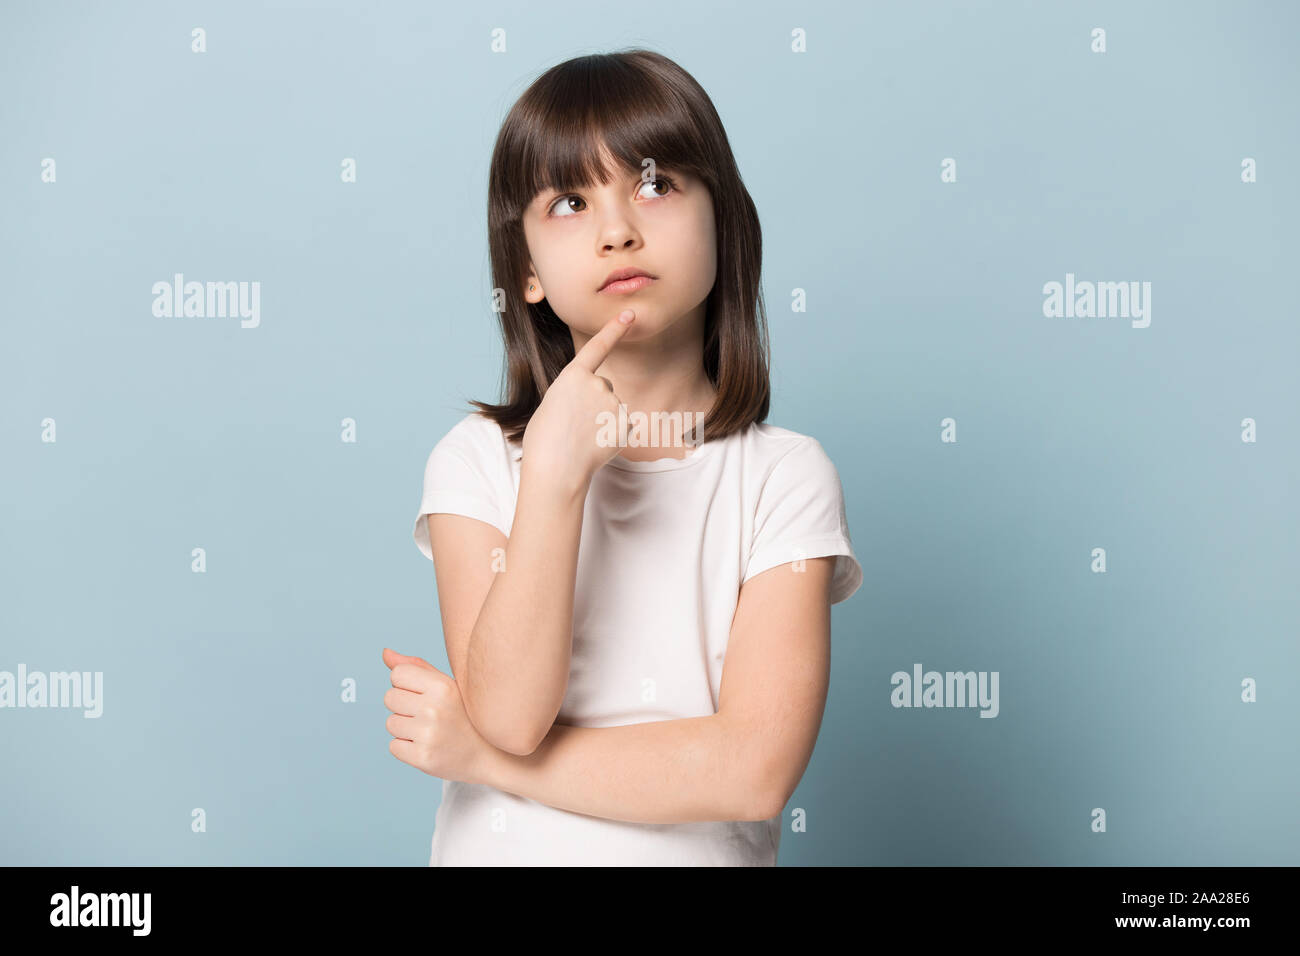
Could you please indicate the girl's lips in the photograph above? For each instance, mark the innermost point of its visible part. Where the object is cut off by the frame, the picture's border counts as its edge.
(628, 285)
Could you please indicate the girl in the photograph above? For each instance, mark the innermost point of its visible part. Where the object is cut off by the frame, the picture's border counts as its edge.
(637, 617)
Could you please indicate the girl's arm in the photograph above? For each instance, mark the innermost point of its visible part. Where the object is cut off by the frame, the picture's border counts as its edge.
(741, 763)
(507, 609)
(511, 634)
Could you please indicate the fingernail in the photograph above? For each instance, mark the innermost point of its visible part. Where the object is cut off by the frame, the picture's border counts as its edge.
(626, 316)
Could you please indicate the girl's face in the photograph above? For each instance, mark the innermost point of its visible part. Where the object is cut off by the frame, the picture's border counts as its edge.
(664, 226)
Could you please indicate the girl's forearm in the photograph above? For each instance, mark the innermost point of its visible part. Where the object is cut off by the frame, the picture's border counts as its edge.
(517, 663)
(669, 771)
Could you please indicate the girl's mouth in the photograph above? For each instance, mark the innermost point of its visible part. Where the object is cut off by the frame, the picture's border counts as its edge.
(627, 285)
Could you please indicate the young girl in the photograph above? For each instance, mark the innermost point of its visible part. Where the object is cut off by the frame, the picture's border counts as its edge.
(637, 619)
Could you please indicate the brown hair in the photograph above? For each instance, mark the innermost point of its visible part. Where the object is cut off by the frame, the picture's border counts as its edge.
(635, 103)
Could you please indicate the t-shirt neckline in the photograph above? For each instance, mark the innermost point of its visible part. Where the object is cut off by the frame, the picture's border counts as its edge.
(699, 452)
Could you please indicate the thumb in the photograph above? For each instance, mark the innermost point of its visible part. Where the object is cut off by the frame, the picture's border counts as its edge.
(392, 659)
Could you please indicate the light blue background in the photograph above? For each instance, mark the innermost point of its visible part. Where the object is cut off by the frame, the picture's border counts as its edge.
(1118, 690)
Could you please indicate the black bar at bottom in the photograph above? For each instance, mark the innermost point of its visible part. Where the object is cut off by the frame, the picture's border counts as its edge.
(921, 904)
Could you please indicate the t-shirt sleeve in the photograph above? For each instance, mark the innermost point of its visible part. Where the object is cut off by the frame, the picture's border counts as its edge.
(458, 480)
(801, 515)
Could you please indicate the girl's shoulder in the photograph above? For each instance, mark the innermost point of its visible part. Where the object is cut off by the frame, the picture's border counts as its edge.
(783, 457)
(479, 428)
(478, 422)
(476, 438)
(774, 442)
(768, 432)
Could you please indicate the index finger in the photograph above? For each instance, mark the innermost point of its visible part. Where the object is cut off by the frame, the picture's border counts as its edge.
(602, 343)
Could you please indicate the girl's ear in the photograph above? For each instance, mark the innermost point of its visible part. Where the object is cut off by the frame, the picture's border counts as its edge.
(533, 293)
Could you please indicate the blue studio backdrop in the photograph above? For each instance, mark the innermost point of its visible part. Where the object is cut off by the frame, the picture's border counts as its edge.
(1026, 268)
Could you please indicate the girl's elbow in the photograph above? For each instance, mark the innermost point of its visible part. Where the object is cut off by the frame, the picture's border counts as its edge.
(765, 803)
(522, 742)
(503, 732)
(770, 789)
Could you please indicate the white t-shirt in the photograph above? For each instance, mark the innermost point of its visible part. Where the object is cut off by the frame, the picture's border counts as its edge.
(665, 546)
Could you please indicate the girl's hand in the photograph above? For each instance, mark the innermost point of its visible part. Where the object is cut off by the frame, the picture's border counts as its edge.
(561, 439)
(430, 728)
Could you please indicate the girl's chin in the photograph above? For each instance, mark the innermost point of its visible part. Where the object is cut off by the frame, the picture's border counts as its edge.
(644, 320)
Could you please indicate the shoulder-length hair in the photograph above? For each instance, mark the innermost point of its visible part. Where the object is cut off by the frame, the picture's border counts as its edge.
(636, 104)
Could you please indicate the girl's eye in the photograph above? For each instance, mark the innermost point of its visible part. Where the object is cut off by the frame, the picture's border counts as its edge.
(559, 204)
(562, 203)
(662, 179)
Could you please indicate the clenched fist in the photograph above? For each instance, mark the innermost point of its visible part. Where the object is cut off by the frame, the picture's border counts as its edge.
(430, 728)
